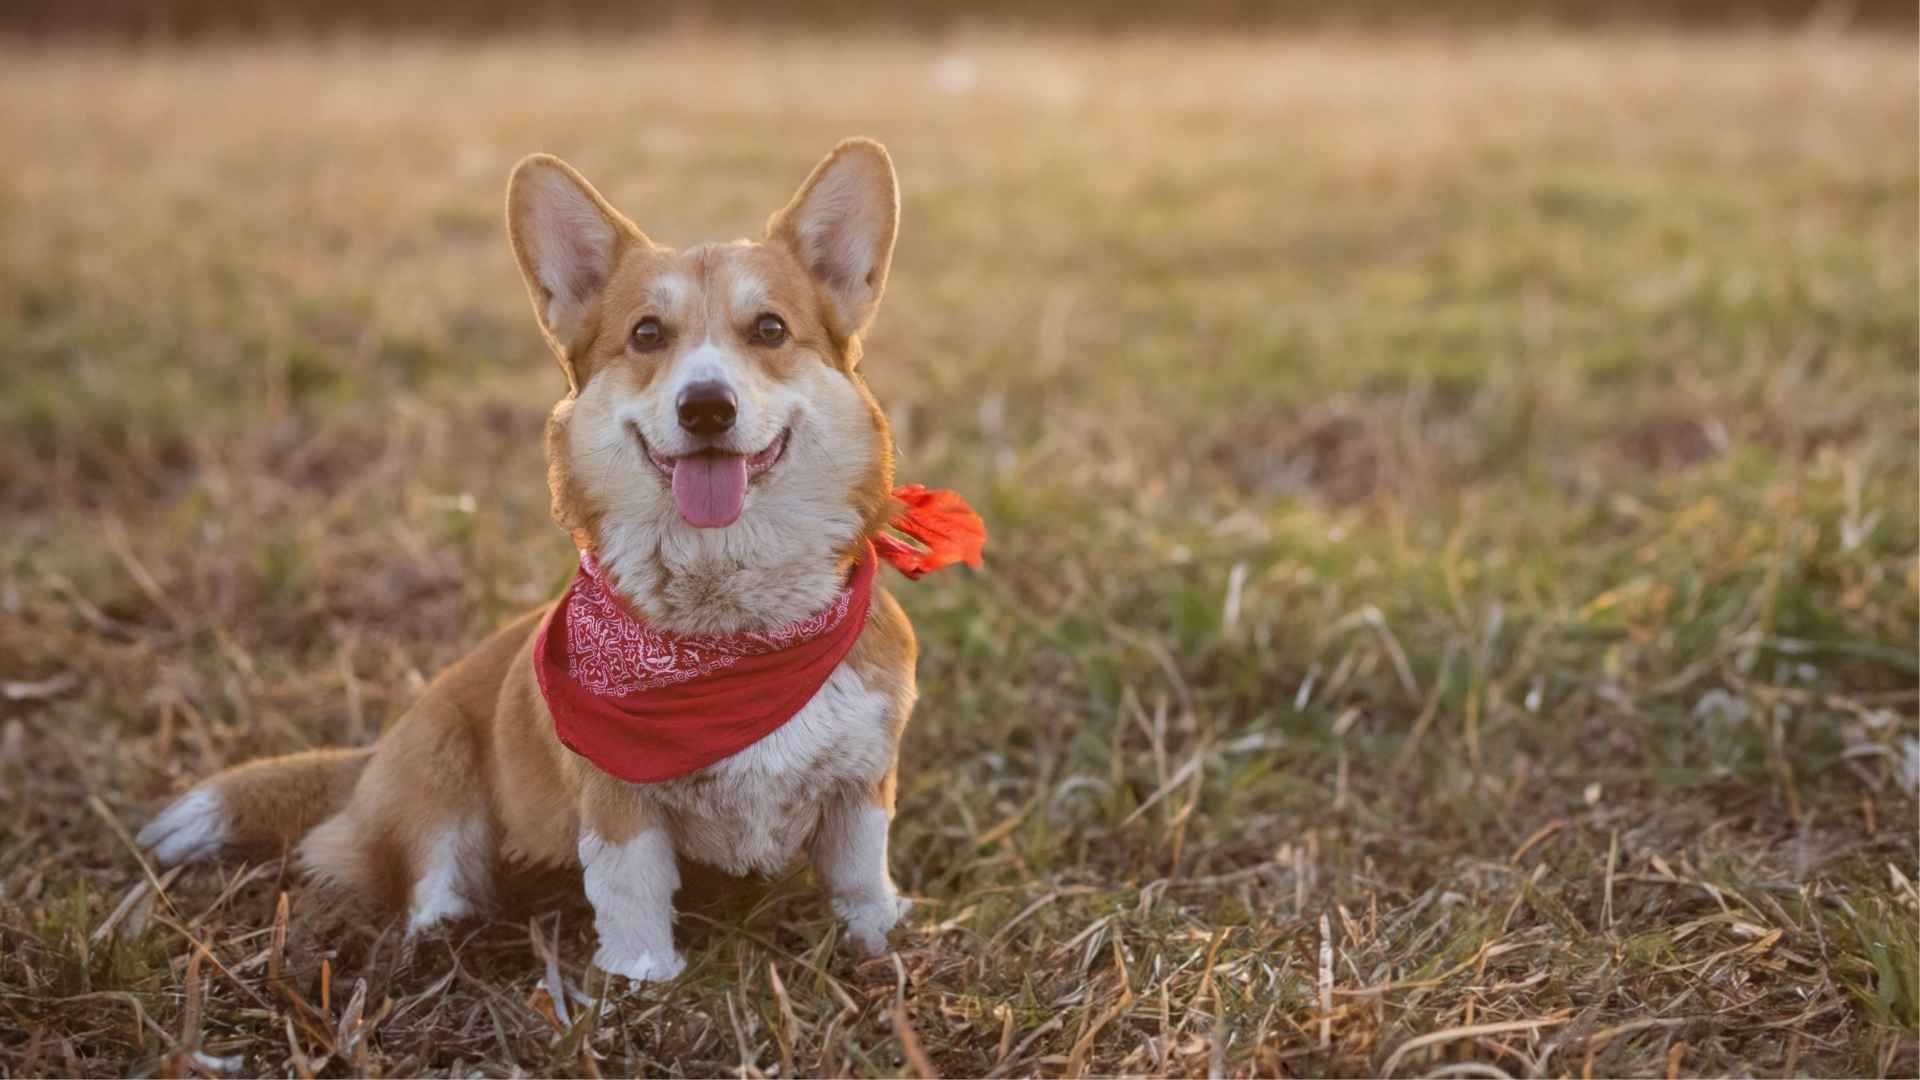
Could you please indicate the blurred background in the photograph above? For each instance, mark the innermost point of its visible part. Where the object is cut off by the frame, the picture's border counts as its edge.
(187, 18)
(1451, 469)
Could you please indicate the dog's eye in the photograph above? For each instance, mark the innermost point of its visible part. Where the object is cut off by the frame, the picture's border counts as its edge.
(648, 334)
(769, 330)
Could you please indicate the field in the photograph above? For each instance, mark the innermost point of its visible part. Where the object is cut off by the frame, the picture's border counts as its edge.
(1451, 606)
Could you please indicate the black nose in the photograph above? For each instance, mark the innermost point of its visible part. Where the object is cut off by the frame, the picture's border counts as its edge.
(706, 407)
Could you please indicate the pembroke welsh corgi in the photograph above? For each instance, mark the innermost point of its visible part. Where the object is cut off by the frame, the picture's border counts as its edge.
(723, 681)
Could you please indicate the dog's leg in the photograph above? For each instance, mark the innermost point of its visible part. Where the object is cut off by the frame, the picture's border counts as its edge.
(449, 872)
(631, 873)
(414, 833)
(631, 888)
(850, 857)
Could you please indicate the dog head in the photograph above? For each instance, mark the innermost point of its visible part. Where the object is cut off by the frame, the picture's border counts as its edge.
(714, 405)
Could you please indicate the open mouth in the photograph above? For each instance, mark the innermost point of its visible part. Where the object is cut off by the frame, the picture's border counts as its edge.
(710, 486)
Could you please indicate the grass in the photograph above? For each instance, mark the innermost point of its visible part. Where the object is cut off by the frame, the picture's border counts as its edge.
(1453, 594)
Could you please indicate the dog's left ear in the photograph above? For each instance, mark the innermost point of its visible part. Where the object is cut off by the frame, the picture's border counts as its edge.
(841, 226)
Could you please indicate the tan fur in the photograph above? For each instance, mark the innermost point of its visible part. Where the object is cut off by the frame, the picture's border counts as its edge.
(276, 801)
(474, 767)
(884, 656)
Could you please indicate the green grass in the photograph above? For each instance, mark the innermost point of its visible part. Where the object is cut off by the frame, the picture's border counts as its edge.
(1453, 502)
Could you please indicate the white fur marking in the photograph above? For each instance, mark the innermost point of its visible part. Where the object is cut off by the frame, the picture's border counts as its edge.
(755, 810)
(631, 887)
(851, 856)
(194, 827)
(749, 294)
(442, 890)
(709, 362)
(670, 291)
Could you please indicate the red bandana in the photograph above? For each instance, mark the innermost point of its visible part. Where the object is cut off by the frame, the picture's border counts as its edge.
(646, 705)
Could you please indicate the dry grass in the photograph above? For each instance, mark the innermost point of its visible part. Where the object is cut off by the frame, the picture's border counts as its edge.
(1452, 609)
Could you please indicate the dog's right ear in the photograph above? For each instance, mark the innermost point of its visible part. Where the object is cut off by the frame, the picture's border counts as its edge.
(568, 241)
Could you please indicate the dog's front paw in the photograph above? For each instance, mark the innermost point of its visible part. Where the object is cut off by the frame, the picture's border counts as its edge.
(868, 919)
(642, 967)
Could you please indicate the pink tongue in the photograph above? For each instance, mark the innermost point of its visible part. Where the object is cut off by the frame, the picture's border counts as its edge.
(710, 488)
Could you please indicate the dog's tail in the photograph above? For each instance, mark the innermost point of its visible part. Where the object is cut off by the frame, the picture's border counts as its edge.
(265, 805)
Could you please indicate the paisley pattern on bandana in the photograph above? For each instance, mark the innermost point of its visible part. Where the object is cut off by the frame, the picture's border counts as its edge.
(612, 654)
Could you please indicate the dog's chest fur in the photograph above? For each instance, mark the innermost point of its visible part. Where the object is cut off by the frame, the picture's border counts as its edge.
(754, 811)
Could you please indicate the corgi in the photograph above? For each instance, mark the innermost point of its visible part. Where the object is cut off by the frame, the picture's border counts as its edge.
(726, 474)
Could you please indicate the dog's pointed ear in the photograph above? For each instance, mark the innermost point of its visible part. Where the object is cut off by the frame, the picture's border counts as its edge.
(568, 241)
(841, 225)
